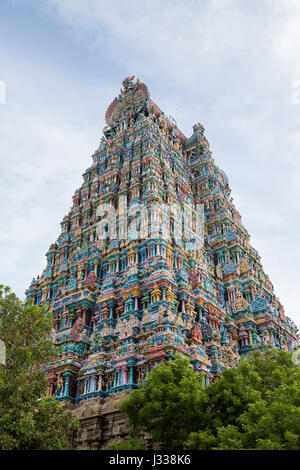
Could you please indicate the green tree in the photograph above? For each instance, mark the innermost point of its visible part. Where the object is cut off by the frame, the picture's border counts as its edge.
(253, 406)
(26, 420)
(167, 404)
(133, 443)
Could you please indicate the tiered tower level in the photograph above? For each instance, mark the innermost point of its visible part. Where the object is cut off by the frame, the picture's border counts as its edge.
(128, 281)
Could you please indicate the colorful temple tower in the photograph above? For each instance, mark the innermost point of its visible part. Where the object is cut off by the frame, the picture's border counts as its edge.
(152, 259)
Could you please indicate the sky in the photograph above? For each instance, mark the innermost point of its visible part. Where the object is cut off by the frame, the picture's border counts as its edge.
(232, 65)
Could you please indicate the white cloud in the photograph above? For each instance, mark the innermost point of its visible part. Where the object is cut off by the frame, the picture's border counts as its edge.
(171, 36)
(41, 164)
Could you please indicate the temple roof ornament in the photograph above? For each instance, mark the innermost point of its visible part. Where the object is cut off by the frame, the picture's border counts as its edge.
(131, 100)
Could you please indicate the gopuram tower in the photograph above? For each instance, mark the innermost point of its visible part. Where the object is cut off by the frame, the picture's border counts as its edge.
(152, 259)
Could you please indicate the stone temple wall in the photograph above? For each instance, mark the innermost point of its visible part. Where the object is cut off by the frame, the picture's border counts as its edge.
(101, 423)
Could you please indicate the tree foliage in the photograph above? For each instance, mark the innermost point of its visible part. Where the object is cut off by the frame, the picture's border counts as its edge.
(253, 406)
(166, 405)
(133, 443)
(26, 420)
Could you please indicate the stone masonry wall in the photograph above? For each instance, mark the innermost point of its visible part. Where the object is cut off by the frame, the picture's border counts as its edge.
(101, 423)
